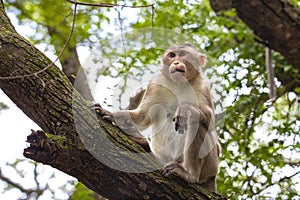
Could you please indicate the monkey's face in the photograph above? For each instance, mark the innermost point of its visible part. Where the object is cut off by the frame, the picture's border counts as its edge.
(182, 63)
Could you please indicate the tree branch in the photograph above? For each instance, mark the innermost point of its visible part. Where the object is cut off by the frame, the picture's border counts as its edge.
(276, 22)
(18, 186)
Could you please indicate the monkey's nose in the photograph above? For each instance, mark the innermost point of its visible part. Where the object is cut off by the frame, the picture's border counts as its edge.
(176, 62)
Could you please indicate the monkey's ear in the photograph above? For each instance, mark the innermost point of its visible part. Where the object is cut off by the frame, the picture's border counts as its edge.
(202, 59)
(188, 44)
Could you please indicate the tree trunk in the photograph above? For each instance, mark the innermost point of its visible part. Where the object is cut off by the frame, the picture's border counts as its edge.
(276, 22)
(70, 63)
(73, 140)
(72, 69)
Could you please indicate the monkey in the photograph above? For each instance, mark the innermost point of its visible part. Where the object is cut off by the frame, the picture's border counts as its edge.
(177, 104)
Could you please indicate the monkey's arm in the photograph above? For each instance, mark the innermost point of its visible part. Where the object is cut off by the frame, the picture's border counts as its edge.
(140, 117)
(136, 119)
(131, 120)
(136, 115)
(122, 120)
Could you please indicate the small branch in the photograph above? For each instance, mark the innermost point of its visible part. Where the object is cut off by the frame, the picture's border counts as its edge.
(270, 73)
(277, 182)
(295, 163)
(107, 5)
(19, 186)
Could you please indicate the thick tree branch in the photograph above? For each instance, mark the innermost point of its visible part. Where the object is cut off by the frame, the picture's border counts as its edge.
(276, 22)
(4, 20)
(73, 140)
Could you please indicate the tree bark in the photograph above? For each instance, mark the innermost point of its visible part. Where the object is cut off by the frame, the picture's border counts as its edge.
(73, 140)
(70, 63)
(72, 69)
(276, 22)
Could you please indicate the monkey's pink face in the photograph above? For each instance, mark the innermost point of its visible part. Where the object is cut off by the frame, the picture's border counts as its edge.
(182, 64)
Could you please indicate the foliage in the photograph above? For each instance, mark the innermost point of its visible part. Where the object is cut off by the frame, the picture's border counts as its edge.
(3, 106)
(82, 192)
(260, 137)
(296, 3)
(51, 22)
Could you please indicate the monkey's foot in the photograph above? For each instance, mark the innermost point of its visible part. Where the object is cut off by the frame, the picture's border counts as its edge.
(177, 168)
(172, 167)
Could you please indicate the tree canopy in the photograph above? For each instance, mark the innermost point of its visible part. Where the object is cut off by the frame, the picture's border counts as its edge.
(259, 135)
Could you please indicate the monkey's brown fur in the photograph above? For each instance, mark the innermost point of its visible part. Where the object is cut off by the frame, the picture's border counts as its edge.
(177, 104)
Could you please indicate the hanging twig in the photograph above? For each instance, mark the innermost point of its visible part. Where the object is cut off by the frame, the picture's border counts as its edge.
(59, 55)
(122, 34)
(109, 5)
(270, 73)
(152, 14)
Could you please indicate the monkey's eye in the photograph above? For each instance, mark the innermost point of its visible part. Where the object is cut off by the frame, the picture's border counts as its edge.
(172, 55)
(182, 53)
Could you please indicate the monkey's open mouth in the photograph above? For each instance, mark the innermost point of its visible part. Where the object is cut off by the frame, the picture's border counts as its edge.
(177, 70)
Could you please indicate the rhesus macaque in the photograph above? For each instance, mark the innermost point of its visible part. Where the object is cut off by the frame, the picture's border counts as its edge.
(177, 104)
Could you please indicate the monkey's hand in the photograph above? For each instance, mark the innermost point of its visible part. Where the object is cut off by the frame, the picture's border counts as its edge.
(181, 117)
(102, 113)
(188, 114)
(122, 120)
